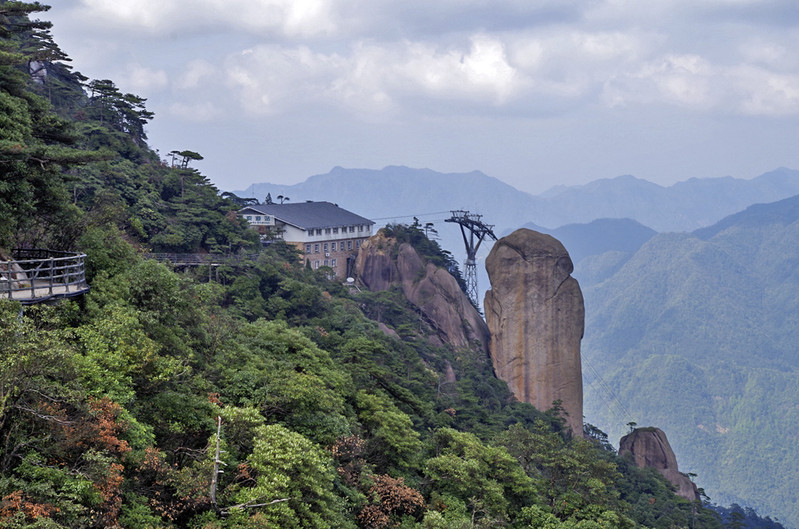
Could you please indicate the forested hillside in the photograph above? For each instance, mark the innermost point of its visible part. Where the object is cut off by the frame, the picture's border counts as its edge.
(697, 333)
(269, 396)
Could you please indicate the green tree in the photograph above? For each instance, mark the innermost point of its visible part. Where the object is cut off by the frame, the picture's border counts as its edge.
(392, 441)
(35, 144)
(483, 480)
(294, 484)
(575, 479)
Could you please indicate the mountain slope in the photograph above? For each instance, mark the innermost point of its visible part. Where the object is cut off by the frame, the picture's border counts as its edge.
(328, 406)
(697, 333)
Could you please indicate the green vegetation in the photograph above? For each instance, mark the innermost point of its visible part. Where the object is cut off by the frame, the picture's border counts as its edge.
(697, 334)
(110, 404)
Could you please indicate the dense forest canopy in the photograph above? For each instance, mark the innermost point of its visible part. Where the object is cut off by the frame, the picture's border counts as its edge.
(267, 397)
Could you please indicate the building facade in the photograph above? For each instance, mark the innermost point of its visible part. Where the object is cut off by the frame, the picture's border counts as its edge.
(325, 234)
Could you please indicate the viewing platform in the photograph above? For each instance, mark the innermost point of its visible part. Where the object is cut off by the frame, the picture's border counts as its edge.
(38, 275)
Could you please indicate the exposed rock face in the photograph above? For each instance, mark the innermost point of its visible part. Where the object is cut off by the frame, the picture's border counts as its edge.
(536, 317)
(382, 263)
(38, 71)
(649, 448)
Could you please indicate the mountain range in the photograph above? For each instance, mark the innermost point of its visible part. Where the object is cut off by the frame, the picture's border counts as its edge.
(403, 192)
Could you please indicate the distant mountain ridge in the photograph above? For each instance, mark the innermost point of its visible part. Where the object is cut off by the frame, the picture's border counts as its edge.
(398, 191)
(599, 248)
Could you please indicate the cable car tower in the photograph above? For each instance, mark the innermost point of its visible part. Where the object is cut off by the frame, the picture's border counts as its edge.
(477, 232)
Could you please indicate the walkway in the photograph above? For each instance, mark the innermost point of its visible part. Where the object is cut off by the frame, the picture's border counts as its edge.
(37, 275)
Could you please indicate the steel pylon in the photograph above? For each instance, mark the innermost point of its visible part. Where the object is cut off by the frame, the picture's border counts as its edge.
(478, 231)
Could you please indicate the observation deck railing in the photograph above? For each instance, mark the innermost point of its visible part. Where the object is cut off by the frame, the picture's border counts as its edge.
(37, 275)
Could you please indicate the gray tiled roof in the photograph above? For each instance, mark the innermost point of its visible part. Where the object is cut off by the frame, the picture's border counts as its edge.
(308, 215)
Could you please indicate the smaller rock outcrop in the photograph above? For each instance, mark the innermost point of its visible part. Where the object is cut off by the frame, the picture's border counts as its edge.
(383, 262)
(649, 447)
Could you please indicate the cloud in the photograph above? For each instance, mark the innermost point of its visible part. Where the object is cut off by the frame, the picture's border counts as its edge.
(142, 79)
(373, 78)
(765, 13)
(196, 112)
(324, 18)
(479, 74)
(275, 78)
(693, 82)
(380, 59)
(147, 14)
(765, 93)
(193, 73)
(295, 18)
(768, 53)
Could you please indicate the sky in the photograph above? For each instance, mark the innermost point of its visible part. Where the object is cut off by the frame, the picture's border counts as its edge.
(536, 93)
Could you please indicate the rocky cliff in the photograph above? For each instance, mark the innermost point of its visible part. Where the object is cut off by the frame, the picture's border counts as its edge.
(383, 262)
(535, 315)
(649, 448)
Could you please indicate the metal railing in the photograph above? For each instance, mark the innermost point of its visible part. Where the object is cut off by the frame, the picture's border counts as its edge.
(35, 275)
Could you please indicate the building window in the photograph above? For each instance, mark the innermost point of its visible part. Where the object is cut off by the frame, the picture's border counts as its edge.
(326, 248)
(248, 217)
(357, 244)
(325, 262)
(333, 263)
(257, 217)
(307, 248)
(316, 264)
(349, 245)
(352, 229)
(335, 230)
(319, 231)
(360, 227)
(327, 231)
(332, 247)
(316, 248)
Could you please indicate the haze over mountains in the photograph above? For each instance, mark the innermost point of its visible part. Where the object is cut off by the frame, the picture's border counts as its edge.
(402, 191)
(694, 332)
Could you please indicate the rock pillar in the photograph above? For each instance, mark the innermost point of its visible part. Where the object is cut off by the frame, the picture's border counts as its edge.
(536, 317)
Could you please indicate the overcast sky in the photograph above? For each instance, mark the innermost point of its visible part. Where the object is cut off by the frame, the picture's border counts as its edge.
(533, 92)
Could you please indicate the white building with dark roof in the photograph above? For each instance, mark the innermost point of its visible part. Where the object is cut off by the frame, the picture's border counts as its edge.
(324, 233)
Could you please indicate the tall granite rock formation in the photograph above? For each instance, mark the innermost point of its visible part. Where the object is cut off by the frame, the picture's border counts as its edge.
(535, 314)
(383, 262)
(649, 448)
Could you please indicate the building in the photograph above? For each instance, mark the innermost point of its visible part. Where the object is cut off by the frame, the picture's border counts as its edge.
(325, 234)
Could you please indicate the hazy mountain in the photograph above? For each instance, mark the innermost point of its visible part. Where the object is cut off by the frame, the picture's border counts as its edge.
(403, 192)
(697, 334)
(397, 191)
(602, 235)
(598, 248)
(684, 206)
